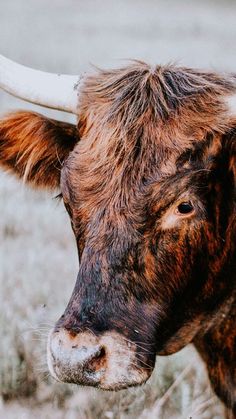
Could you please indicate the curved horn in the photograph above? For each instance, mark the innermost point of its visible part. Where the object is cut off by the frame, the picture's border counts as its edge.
(57, 91)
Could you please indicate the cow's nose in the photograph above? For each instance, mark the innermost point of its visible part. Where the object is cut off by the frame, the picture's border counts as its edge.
(76, 359)
(106, 361)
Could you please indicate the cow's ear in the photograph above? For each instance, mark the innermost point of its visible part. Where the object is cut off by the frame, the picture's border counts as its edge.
(34, 147)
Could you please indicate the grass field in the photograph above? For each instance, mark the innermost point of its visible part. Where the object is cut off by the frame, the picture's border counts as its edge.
(38, 260)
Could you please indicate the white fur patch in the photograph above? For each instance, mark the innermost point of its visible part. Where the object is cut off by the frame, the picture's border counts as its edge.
(67, 360)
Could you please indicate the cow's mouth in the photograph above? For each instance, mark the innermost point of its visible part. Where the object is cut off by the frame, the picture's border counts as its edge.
(106, 362)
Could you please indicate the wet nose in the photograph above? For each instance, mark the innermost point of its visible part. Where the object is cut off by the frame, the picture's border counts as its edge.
(76, 359)
(105, 361)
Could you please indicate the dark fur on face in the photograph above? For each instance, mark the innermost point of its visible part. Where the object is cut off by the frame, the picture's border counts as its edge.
(150, 140)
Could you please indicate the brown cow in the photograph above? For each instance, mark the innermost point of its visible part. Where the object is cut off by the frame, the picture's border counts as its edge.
(148, 180)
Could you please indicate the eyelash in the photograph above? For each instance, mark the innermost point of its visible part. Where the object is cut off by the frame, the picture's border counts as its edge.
(58, 197)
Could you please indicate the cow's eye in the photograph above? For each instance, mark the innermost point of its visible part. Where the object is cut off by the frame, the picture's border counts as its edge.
(185, 208)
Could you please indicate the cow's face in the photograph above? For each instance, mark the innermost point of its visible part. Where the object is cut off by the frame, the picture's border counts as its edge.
(149, 189)
(152, 244)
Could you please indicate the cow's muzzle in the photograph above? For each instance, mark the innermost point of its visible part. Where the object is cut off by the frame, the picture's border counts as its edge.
(108, 362)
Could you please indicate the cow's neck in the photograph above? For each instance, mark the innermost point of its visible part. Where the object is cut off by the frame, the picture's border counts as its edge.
(217, 348)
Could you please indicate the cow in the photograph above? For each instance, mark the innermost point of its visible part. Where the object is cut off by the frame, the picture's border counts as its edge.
(147, 177)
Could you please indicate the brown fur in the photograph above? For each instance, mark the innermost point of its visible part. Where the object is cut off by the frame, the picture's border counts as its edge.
(149, 139)
(137, 117)
(34, 147)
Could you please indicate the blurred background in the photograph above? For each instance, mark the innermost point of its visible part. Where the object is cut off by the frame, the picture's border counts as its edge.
(38, 261)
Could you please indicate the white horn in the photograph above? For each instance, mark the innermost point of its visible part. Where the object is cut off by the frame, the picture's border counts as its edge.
(57, 91)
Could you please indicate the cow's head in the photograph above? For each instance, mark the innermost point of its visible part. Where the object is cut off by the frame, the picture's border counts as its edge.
(148, 180)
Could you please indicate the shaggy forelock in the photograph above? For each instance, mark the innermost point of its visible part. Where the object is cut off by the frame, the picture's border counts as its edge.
(139, 119)
(162, 90)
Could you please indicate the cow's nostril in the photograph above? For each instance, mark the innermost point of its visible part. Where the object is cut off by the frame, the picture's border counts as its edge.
(98, 362)
(76, 359)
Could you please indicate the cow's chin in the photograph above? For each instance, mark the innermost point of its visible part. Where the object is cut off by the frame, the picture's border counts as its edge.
(182, 337)
(107, 362)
